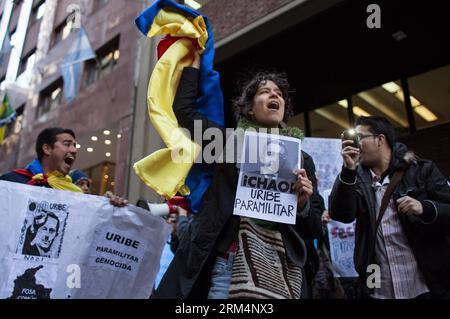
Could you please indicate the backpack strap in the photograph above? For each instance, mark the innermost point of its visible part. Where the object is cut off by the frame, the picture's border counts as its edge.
(396, 178)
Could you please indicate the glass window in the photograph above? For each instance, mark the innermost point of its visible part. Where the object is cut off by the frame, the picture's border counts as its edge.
(40, 11)
(50, 98)
(63, 31)
(430, 97)
(386, 100)
(107, 59)
(27, 63)
(102, 178)
(329, 121)
(3, 83)
(14, 41)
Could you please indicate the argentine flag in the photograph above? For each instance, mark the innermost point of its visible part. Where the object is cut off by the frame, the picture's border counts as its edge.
(70, 68)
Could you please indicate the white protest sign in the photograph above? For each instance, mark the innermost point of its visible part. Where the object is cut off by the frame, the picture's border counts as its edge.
(326, 153)
(342, 245)
(57, 244)
(266, 178)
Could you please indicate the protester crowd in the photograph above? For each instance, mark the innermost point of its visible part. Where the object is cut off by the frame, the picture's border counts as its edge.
(401, 204)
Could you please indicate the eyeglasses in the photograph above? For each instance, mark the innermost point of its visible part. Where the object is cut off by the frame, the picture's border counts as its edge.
(361, 136)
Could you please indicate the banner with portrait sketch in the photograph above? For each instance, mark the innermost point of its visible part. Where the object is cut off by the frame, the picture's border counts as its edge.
(266, 179)
(57, 244)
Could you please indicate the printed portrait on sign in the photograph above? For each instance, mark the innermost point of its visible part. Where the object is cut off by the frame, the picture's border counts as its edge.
(43, 229)
(271, 156)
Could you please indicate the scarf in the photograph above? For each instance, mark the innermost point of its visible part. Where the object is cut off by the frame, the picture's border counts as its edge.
(55, 179)
(261, 268)
(291, 131)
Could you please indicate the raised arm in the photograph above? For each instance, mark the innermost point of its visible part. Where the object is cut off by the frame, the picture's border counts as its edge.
(184, 104)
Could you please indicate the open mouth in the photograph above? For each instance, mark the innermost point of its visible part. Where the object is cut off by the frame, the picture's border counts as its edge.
(69, 160)
(273, 106)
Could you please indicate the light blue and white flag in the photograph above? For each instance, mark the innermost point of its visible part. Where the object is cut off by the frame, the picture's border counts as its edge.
(80, 51)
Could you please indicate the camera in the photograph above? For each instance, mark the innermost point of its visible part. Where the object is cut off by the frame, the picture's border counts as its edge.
(351, 135)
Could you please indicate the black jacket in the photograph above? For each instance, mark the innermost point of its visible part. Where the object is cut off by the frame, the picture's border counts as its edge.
(428, 236)
(214, 228)
(15, 177)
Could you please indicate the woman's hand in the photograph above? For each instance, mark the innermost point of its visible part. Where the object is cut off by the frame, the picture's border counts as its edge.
(303, 187)
(196, 62)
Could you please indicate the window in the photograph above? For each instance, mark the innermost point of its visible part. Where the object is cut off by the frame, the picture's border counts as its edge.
(63, 31)
(16, 126)
(27, 62)
(50, 97)
(13, 38)
(38, 12)
(386, 100)
(329, 121)
(430, 96)
(102, 178)
(107, 59)
(3, 83)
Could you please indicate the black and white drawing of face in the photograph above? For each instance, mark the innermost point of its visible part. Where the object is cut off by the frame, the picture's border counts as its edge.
(46, 234)
(39, 216)
(274, 154)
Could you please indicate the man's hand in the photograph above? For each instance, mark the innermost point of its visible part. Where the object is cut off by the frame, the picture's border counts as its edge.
(408, 205)
(116, 200)
(350, 154)
(303, 187)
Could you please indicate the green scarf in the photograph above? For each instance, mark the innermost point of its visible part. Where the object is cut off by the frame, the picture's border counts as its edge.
(291, 131)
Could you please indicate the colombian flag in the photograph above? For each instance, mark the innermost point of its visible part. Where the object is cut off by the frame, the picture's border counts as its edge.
(186, 30)
(7, 115)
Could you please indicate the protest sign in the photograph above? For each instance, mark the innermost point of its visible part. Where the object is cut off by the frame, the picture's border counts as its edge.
(266, 178)
(326, 153)
(342, 245)
(57, 244)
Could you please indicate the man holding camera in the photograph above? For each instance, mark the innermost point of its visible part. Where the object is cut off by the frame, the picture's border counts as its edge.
(402, 210)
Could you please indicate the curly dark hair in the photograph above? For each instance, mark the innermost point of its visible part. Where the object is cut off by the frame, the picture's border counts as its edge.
(243, 103)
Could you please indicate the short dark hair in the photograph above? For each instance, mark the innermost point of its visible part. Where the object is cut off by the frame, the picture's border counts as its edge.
(242, 104)
(378, 125)
(52, 215)
(48, 136)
